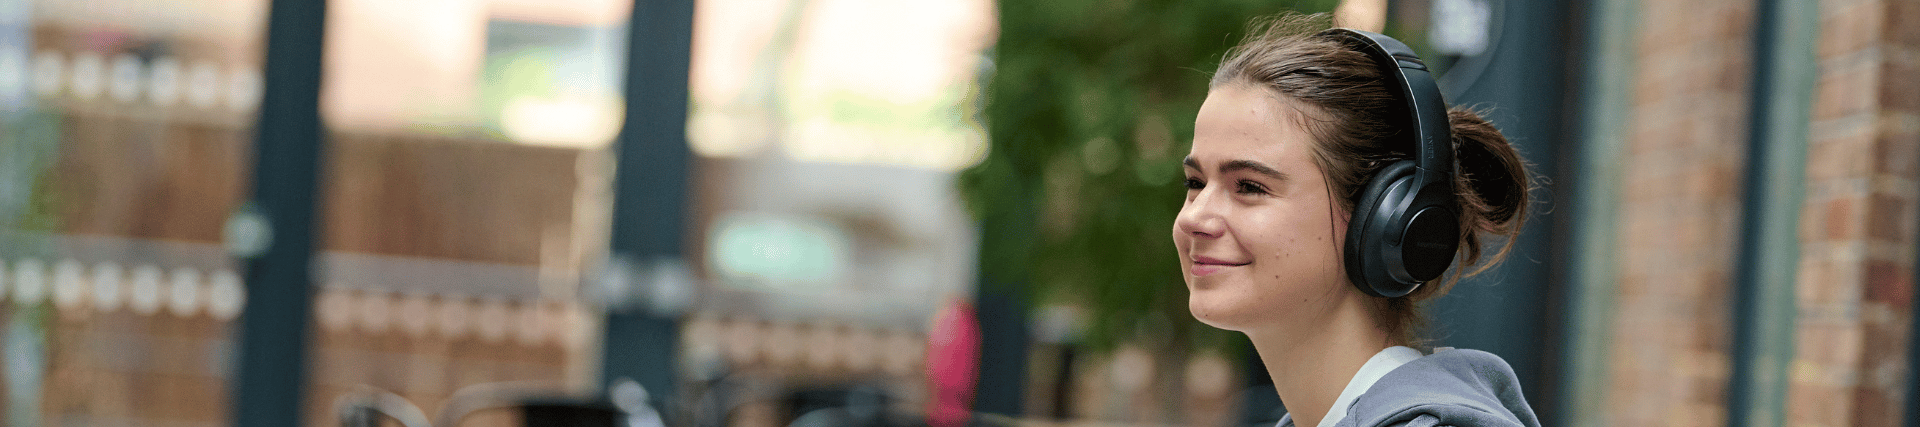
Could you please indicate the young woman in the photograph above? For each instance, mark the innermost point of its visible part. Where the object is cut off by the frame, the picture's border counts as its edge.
(1328, 190)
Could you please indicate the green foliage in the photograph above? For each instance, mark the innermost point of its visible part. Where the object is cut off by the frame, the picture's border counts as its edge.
(29, 147)
(1089, 110)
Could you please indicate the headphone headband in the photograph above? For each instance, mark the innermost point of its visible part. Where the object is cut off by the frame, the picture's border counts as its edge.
(1408, 78)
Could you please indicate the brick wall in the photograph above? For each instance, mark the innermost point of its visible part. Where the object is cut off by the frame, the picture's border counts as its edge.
(1857, 226)
(1686, 134)
(1686, 137)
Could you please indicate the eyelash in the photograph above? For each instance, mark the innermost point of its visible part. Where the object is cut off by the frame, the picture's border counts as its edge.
(1250, 187)
(1246, 187)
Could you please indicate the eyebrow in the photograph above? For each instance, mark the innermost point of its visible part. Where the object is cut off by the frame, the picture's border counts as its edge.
(1240, 165)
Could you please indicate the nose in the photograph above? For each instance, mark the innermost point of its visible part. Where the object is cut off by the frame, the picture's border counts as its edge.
(1201, 217)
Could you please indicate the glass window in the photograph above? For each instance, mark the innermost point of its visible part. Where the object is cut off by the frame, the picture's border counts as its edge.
(124, 130)
(465, 191)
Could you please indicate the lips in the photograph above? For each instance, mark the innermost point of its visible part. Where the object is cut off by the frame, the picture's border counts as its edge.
(1203, 260)
(1203, 265)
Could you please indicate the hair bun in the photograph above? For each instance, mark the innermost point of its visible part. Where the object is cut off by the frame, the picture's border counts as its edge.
(1492, 181)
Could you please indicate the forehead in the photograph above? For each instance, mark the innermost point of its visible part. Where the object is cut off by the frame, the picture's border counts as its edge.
(1246, 122)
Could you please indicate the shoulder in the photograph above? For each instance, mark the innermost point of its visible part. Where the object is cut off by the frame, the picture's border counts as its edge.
(1449, 387)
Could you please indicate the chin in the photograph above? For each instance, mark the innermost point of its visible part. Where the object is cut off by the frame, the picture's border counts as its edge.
(1214, 310)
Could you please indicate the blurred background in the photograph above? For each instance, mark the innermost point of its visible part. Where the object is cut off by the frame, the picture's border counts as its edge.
(897, 212)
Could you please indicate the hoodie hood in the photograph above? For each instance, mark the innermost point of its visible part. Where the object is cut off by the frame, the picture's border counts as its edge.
(1448, 388)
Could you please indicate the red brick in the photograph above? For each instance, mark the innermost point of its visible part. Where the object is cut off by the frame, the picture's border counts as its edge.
(1884, 340)
(1829, 44)
(1891, 283)
(1844, 89)
(1839, 219)
(1838, 156)
(1875, 408)
(1812, 339)
(1733, 24)
(1849, 277)
(1849, 28)
(1709, 390)
(1906, 13)
(1725, 183)
(1717, 286)
(1889, 218)
(1899, 155)
(1802, 404)
(1900, 83)
(1812, 280)
(1827, 405)
(1812, 217)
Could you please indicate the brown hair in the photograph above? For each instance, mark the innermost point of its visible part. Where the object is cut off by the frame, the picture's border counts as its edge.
(1341, 99)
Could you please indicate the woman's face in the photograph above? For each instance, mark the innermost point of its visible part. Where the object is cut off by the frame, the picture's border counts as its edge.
(1259, 236)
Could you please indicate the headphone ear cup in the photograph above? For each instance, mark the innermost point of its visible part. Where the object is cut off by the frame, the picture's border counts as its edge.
(1368, 260)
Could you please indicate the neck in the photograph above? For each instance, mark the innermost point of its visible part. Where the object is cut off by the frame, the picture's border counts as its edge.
(1312, 361)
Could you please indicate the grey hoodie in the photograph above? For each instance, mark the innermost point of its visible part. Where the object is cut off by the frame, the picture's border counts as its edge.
(1447, 388)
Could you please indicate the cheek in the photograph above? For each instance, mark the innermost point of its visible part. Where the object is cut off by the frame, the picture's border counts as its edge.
(1301, 246)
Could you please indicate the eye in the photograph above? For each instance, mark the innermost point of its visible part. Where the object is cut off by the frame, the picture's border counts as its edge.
(1250, 187)
(1195, 184)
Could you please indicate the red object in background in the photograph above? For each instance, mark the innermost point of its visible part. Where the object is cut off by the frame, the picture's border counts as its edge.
(953, 364)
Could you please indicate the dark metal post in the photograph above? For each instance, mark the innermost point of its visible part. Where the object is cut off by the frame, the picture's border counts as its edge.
(650, 186)
(1912, 415)
(1001, 304)
(1004, 342)
(268, 388)
(1764, 308)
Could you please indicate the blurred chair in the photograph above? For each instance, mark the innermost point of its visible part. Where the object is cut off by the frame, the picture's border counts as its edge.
(367, 406)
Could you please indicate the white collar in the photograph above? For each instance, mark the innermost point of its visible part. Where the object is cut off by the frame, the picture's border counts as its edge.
(1383, 362)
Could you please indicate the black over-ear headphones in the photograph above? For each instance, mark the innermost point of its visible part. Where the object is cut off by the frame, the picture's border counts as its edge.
(1406, 223)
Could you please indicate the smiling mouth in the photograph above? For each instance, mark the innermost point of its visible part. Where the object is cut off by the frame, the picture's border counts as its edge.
(1203, 266)
(1216, 262)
